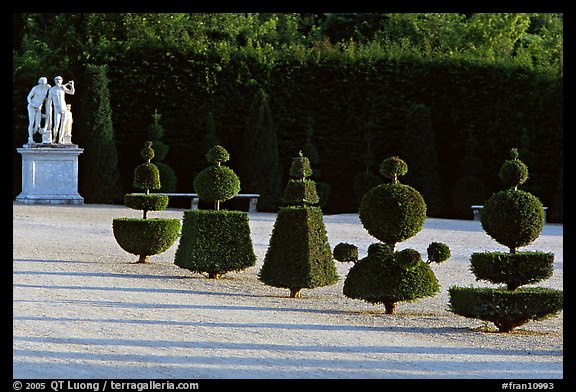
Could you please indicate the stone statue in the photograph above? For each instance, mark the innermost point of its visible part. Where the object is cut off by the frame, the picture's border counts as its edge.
(36, 99)
(65, 134)
(57, 104)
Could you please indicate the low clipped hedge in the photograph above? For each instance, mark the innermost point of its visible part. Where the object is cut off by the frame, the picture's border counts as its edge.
(215, 242)
(507, 309)
(150, 202)
(513, 270)
(145, 237)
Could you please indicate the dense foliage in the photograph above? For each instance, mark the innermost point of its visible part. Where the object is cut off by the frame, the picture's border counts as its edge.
(215, 242)
(513, 218)
(497, 77)
(299, 255)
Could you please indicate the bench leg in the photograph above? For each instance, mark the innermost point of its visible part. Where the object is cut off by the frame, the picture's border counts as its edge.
(476, 215)
(253, 202)
(195, 201)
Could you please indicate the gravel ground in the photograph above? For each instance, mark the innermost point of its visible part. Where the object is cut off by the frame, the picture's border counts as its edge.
(83, 309)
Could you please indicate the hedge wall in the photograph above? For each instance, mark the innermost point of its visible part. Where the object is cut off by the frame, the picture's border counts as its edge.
(340, 96)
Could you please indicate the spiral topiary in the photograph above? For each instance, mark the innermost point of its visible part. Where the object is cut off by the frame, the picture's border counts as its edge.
(392, 213)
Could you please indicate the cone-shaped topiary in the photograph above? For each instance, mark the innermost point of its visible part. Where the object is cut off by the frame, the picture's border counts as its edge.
(145, 237)
(217, 241)
(299, 254)
(392, 213)
(513, 218)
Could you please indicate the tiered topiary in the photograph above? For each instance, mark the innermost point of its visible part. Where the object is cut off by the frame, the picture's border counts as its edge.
(514, 218)
(392, 213)
(145, 237)
(215, 241)
(299, 255)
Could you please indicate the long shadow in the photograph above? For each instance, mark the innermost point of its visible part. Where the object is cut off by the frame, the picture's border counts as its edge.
(252, 326)
(246, 346)
(97, 274)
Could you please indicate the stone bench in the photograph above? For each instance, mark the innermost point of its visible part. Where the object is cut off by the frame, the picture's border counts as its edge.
(476, 211)
(195, 199)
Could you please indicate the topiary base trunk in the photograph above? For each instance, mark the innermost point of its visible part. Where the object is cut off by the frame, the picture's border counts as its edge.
(390, 308)
(295, 293)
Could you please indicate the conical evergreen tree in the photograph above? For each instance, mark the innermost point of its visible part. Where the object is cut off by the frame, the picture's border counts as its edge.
(155, 133)
(100, 180)
(259, 167)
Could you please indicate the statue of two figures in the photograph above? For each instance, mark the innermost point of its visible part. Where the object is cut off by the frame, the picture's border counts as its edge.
(57, 115)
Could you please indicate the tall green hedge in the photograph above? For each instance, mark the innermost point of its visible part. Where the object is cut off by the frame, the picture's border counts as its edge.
(343, 93)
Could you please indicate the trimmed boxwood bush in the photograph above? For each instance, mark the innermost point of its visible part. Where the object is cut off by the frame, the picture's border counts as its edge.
(392, 213)
(299, 255)
(513, 218)
(215, 242)
(387, 278)
(145, 237)
(513, 270)
(507, 309)
(217, 183)
(150, 202)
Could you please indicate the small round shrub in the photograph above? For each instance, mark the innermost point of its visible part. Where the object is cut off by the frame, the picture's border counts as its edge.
(217, 183)
(513, 172)
(393, 212)
(217, 155)
(378, 247)
(513, 218)
(393, 167)
(438, 252)
(147, 153)
(408, 258)
(150, 202)
(346, 253)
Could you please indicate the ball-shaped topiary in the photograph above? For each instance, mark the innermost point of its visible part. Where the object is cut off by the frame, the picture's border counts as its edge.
(393, 212)
(513, 172)
(217, 183)
(513, 218)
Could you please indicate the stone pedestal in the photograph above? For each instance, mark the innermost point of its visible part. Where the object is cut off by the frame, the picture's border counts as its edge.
(50, 174)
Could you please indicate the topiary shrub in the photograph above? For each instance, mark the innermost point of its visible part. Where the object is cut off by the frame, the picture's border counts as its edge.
(216, 241)
(513, 218)
(146, 237)
(299, 254)
(392, 213)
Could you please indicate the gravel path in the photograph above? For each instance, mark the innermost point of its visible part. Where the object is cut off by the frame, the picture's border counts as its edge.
(82, 309)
